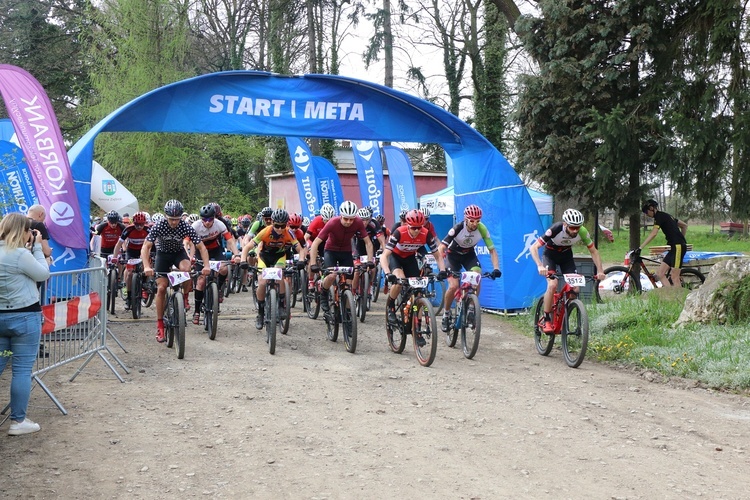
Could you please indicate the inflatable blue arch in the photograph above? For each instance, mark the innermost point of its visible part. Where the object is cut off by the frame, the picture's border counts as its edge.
(337, 107)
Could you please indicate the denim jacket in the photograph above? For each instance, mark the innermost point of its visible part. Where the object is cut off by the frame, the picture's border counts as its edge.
(19, 272)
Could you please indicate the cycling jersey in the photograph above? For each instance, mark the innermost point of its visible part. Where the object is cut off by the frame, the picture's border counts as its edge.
(460, 240)
(557, 239)
(109, 235)
(210, 235)
(134, 236)
(373, 232)
(338, 237)
(275, 243)
(256, 228)
(669, 227)
(315, 227)
(403, 244)
(169, 239)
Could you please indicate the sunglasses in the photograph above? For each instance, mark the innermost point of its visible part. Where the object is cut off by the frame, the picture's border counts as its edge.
(279, 226)
(415, 228)
(174, 219)
(207, 219)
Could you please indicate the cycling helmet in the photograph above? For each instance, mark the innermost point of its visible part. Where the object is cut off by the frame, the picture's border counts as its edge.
(266, 212)
(425, 211)
(158, 216)
(126, 219)
(364, 213)
(649, 204)
(139, 218)
(380, 219)
(402, 215)
(234, 221)
(295, 220)
(327, 211)
(245, 221)
(472, 212)
(113, 216)
(193, 218)
(348, 209)
(207, 211)
(173, 208)
(280, 216)
(217, 209)
(305, 221)
(147, 215)
(414, 218)
(572, 217)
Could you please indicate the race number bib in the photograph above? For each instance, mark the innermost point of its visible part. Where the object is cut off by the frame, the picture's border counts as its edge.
(418, 282)
(134, 262)
(214, 265)
(575, 279)
(471, 277)
(363, 258)
(272, 273)
(177, 277)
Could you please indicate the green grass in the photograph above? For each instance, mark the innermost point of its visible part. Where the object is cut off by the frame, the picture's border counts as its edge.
(638, 331)
(699, 236)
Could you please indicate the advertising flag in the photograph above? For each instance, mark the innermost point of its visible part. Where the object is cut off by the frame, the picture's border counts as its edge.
(329, 185)
(40, 139)
(17, 192)
(304, 172)
(369, 165)
(402, 179)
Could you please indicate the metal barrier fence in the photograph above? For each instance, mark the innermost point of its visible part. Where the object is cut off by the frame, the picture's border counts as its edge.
(75, 324)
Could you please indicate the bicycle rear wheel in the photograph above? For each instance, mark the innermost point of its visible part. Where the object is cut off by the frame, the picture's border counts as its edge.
(211, 306)
(575, 333)
(543, 345)
(135, 295)
(332, 318)
(272, 304)
(312, 301)
(619, 282)
(471, 326)
(424, 332)
(376, 283)
(691, 278)
(436, 289)
(179, 324)
(150, 287)
(363, 287)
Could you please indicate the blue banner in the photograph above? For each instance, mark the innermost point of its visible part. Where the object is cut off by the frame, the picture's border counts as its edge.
(329, 185)
(17, 191)
(369, 165)
(6, 130)
(401, 177)
(304, 172)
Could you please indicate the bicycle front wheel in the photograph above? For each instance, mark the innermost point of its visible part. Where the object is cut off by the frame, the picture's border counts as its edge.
(363, 287)
(575, 333)
(286, 310)
(471, 326)
(619, 282)
(424, 332)
(332, 318)
(312, 301)
(135, 295)
(179, 324)
(211, 304)
(169, 320)
(272, 312)
(113, 287)
(543, 345)
(376, 284)
(349, 321)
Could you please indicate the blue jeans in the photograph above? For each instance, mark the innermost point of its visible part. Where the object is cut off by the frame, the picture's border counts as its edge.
(20, 333)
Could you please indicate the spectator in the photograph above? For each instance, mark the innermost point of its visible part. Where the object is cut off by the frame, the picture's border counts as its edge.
(38, 214)
(22, 265)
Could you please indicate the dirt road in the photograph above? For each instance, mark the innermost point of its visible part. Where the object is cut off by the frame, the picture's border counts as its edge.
(313, 421)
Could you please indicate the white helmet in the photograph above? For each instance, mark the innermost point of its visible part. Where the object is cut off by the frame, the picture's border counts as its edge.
(157, 217)
(193, 218)
(364, 213)
(327, 211)
(305, 221)
(348, 209)
(572, 217)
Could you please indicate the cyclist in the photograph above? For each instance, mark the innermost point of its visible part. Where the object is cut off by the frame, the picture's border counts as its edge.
(264, 221)
(675, 231)
(134, 234)
(374, 232)
(316, 225)
(274, 239)
(400, 222)
(110, 232)
(168, 234)
(337, 234)
(209, 229)
(458, 246)
(558, 243)
(399, 260)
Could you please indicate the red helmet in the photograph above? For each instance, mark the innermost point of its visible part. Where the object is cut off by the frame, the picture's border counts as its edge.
(472, 212)
(414, 218)
(217, 209)
(295, 220)
(139, 218)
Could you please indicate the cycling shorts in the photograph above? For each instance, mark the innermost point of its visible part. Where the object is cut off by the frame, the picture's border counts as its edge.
(553, 259)
(165, 260)
(409, 265)
(456, 261)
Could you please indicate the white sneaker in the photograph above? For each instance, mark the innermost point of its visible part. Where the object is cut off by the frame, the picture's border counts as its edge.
(21, 428)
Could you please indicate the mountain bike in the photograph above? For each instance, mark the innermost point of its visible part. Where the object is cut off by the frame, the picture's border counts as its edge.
(342, 310)
(468, 316)
(569, 318)
(415, 317)
(174, 311)
(436, 289)
(276, 314)
(298, 277)
(379, 277)
(113, 282)
(136, 286)
(210, 303)
(236, 277)
(623, 281)
(362, 293)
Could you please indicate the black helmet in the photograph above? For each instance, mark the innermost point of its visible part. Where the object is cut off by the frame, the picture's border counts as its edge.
(208, 211)
(402, 214)
(280, 216)
(266, 212)
(173, 208)
(649, 204)
(113, 216)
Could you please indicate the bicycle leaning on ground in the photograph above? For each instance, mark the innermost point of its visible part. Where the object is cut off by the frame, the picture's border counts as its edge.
(622, 281)
(569, 318)
(415, 317)
(468, 315)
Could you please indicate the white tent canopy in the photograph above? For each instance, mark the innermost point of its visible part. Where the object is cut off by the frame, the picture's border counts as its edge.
(442, 202)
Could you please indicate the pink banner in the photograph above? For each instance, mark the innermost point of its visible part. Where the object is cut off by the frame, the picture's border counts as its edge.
(39, 135)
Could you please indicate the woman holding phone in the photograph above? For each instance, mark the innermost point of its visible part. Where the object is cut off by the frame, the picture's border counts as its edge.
(22, 265)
